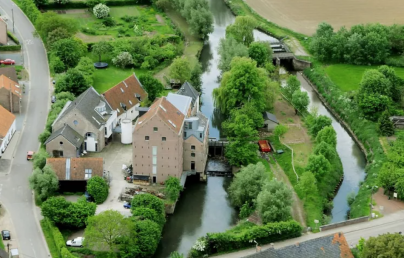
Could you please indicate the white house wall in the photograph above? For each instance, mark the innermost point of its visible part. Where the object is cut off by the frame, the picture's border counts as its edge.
(111, 124)
(131, 114)
(7, 138)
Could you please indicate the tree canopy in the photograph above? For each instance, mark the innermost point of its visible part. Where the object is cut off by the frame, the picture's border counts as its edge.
(327, 135)
(319, 123)
(180, 70)
(152, 86)
(101, 47)
(307, 184)
(241, 152)
(50, 22)
(148, 201)
(44, 182)
(300, 101)
(386, 245)
(261, 52)
(319, 166)
(292, 85)
(242, 29)
(98, 188)
(73, 81)
(69, 51)
(228, 49)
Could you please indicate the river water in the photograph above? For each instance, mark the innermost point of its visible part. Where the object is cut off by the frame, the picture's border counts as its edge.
(204, 207)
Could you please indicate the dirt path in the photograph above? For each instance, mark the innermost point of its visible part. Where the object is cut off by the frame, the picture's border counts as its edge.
(297, 206)
(296, 47)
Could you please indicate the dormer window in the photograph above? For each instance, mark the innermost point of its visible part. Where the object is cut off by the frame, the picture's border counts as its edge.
(101, 107)
(138, 97)
(123, 106)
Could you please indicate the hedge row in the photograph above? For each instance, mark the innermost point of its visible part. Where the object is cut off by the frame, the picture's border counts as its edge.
(58, 239)
(13, 37)
(242, 236)
(364, 130)
(10, 48)
(73, 5)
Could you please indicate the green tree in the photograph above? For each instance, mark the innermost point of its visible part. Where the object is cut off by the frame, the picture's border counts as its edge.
(69, 51)
(50, 24)
(148, 201)
(261, 52)
(327, 135)
(73, 81)
(196, 80)
(180, 70)
(40, 158)
(98, 188)
(87, 69)
(326, 150)
(45, 183)
(101, 11)
(307, 184)
(322, 42)
(64, 95)
(150, 214)
(292, 85)
(198, 16)
(56, 64)
(388, 175)
(30, 9)
(385, 125)
(241, 152)
(228, 49)
(148, 236)
(247, 184)
(105, 229)
(240, 126)
(57, 34)
(242, 29)
(176, 255)
(300, 101)
(280, 130)
(172, 188)
(123, 60)
(152, 86)
(274, 202)
(319, 123)
(319, 166)
(44, 136)
(396, 82)
(41, 2)
(102, 47)
(242, 84)
(386, 245)
(55, 209)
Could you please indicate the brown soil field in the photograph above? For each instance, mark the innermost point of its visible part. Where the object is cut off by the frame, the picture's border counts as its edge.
(304, 15)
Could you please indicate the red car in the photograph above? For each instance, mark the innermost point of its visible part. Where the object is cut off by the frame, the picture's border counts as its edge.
(7, 62)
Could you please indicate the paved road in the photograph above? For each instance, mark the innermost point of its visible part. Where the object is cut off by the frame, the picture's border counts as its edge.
(392, 223)
(15, 193)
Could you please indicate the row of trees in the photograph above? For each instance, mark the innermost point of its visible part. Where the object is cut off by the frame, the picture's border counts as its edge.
(251, 190)
(362, 44)
(298, 98)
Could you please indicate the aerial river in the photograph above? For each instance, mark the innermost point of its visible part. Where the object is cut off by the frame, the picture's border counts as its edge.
(205, 208)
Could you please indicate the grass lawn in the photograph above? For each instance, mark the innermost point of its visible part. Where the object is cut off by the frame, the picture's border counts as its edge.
(301, 153)
(148, 19)
(49, 240)
(1, 243)
(347, 77)
(266, 164)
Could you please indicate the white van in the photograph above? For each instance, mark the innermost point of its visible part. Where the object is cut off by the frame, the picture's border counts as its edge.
(76, 242)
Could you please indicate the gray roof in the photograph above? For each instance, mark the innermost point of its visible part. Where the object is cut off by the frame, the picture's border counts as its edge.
(331, 246)
(69, 134)
(269, 116)
(188, 90)
(144, 109)
(86, 104)
(181, 102)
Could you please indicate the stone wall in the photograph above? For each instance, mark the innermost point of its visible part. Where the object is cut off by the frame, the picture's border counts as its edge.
(344, 223)
(300, 65)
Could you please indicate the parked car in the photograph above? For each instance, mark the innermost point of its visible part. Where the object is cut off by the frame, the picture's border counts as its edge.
(127, 205)
(89, 198)
(53, 99)
(7, 62)
(78, 241)
(30, 155)
(6, 235)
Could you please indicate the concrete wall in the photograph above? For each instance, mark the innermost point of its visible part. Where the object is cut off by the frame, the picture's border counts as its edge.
(3, 33)
(131, 114)
(169, 157)
(111, 124)
(344, 223)
(5, 101)
(83, 127)
(300, 65)
(69, 150)
(7, 138)
(270, 125)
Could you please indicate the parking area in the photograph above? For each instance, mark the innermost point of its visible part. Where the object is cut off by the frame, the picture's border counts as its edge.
(115, 154)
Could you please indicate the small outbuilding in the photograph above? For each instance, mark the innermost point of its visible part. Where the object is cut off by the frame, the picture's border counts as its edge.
(270, 121)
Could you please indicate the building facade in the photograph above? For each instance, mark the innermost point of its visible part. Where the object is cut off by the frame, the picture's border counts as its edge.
(7, 128)
(3, 32)
(10, 94)
(65, 142)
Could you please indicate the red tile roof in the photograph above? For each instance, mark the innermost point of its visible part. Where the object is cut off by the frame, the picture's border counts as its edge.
(8, 84)
(6, 120)
(77, 167)
(166, 111)
(125, 93)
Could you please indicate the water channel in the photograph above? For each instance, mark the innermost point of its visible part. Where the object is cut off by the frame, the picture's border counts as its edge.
(205, 208)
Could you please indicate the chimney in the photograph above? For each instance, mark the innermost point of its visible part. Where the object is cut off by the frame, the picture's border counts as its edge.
(297, 244)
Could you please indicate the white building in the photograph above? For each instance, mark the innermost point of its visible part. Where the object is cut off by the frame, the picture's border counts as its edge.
(7, 128)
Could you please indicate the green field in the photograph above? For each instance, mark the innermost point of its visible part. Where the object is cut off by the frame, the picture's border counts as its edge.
(149, 21)
(347, 77)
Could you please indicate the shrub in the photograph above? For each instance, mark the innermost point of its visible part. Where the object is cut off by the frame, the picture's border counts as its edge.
(123, 60)
(108, 21)
(173, 188)
(148, 201)
(101, 11)
(280, 130)
(150, 214)
(98, 189)
(45, 183)
(385, 125)
(57, 65)
(40, 159)
(148, 235)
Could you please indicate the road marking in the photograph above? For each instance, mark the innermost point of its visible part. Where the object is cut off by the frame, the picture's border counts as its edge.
(29, 42)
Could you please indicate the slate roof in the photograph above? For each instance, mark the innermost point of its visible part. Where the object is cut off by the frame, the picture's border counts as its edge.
(77, 167)
(269, 116)
(69, 134)
(125, 93)
(188, 90)
(9, 72)
(182, 103)
(8, 84)
(167, 112)
(6, 121)
(331, 246)
(86, 104)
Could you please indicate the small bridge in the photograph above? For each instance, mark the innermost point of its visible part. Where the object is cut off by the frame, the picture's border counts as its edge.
(282, 52)
(216, 147)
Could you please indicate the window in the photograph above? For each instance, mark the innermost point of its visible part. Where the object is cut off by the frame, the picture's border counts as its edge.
(192, 147)
(192, 154)
(61, 143)
(190, 125)
(163, 139)
(106, 130)
(87, 173)
(154, 170)
(185, 134)
(146, 138)
(200, 135)
(75, 122)
(154, 150)
(154, 160)
(155, 129)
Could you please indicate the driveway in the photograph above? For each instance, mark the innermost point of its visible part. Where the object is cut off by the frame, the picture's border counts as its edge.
(15, 194)
(115, 155)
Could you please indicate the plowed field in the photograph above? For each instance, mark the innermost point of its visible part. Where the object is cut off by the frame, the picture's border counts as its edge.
(304, 15)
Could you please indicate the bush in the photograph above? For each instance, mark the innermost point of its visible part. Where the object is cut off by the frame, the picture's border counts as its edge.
(123, 60)
(40, 159)
(239, 238)
(56, 64)
(173, 188)
(385, 125)
(101, 11)
(148, 234)
(150, 214)
(148, 201)
(13, 37)
(98, 189)
(45, 183)
(280, 130)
